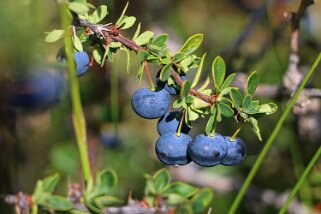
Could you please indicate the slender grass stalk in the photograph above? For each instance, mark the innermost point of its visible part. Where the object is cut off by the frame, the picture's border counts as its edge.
(78, 116)
(301, 181)
(305, 193)
(114, 94)
(269, 142)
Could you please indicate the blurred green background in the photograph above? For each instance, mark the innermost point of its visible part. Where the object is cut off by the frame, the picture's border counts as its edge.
(37, 142)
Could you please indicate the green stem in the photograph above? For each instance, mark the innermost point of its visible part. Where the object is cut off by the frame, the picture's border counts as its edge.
(178, 133)
(269, 142)
(305, 193)
(152, 87)
(114, 94)
(236, 132)
(301, 181)
(215, 123)
(78, 116)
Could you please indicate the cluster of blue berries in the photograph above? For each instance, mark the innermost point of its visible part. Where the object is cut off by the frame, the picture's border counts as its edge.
(178, 148)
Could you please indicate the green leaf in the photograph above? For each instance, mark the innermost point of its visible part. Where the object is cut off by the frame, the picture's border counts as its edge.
(175, 199)
(211, 120)
(192, 44)
(199, 71)
(79, 8)
(246, 101)
(182, 189)
(253, 104)
(161, 180)
(49, 183)
(198, 103)
(160, 40)
(186, 63)
(37, 193)
(178, 57)
(166, 72)
(98, 55)
(225, 109)
(268, 108)
(202, 200)
(142, 55)
(192, 115)
(255, 127)
(57, 203)
(228, 81)
(77, 43)
(157, 50)
(99, 14)
(107, 200)
(122, 14)
(137, 32)
(127, 22)
(252, 82)
(54, 36)
(144, 38)
(129, 61)
(205, 84)
(151, 200)
(218, 71)
(178, 103)
(107, 50)
(236, 97)
(140, 73)
(227, 90)
(186, 87)
(106, 179)
(189, 99)
(185, 209)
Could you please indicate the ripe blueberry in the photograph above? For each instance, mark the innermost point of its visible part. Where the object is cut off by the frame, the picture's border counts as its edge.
(172, 149)
(169, 88)
(236, 151)
(82, 62)
(37, 92)
(109, 139)
(170, 122)
(150, 104)
(206, 150)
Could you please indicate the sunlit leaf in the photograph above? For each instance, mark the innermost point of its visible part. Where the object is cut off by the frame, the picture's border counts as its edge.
(99, 14)
(79, 8)
(122, 14)
(236, 97)
(182, 189)
(140, 73)
(161, 180)
(144, 38)
(54, 36)
(77, 43)
(246, 101)
(186, 87)
(192, 44)
(255, 127)
(202, 200)
(228, 81)
(252, 82)
(166, 72)
(218, 71)
(127, 22)
(199, 71)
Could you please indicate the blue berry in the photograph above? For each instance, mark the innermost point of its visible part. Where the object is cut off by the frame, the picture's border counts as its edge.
(169, 88)
(170, 122)
(82, 62)
(172, 149)
(150, 104)
(109, 139)
(38, 92)
(236, 151)
(208, 151)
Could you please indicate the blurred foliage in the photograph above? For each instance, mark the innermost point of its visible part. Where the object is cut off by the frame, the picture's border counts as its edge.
(34, 144)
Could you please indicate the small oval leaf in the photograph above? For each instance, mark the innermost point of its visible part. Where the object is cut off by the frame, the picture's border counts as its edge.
(199, 71)
(166, 72)
(186, 87)
(54, 36)
(218, 71)
(192, 44)
(252, 82)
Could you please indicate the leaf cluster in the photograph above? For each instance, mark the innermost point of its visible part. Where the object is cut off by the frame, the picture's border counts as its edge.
(183, 197)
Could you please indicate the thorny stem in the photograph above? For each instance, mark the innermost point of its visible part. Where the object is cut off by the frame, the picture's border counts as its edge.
(106, 31)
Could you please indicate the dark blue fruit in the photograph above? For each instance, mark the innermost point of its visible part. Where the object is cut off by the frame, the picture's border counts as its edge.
(170, 122)
(82, 62)
(206, 150)
(150, 104)
(38, 92)
(170, 89)
(236, 151)
(172, 150)
(109, 139)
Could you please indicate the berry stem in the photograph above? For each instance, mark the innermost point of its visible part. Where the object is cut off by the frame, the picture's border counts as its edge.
(215, 124)
(236, 132)
(178, 133)
(152, 87)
